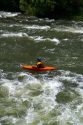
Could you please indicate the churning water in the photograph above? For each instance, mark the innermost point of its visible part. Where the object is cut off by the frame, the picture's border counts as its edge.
(48, 98)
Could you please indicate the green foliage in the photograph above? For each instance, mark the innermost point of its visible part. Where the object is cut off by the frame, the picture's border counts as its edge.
(45, 8)
(37, 7)
(52, 8)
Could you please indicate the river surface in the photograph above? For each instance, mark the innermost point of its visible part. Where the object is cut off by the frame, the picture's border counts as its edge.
(40, 98)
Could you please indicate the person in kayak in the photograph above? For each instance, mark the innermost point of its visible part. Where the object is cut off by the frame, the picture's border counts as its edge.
(40, 63)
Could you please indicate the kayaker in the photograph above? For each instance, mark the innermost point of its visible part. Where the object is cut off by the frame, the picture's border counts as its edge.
(40, 63)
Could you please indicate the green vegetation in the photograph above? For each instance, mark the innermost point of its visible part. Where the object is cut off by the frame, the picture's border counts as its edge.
(41, 8)
(46, 8)
(53, 8)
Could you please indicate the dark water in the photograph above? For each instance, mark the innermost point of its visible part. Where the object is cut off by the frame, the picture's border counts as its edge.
(48, 98)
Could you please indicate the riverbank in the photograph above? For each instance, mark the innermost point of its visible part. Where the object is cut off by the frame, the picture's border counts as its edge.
(52, 9)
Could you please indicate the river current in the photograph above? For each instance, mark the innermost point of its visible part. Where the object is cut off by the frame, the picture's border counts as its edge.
(40, 98)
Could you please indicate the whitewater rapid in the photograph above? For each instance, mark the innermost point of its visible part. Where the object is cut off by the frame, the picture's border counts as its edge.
(44, 98)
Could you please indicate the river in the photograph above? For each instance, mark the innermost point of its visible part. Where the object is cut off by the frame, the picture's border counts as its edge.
(40, 98)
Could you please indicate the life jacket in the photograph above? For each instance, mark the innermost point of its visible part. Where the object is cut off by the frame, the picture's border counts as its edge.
(40, 64)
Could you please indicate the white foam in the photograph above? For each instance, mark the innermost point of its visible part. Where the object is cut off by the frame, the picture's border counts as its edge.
(49, 20)
(55, 40)
(11, 118)
(72, 77)
(9, 85)
(37, 27)
(35, 38)
(47, 101)
(40, 38)
(31, 115)
(7, 14)
(68, 116)
(65, 39)
(68, 29)
(14, 34)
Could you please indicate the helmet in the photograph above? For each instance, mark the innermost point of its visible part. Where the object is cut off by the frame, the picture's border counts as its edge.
(39, 59)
